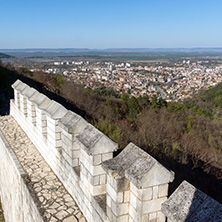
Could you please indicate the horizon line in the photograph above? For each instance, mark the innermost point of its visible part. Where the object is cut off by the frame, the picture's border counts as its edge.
(82, 48)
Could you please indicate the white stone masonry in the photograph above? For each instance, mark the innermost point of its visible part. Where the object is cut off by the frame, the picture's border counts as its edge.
(51, 200)
(127, 188)
(137, 186)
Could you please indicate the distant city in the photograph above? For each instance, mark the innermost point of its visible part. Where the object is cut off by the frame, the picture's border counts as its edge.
(173, 74)
(172, 83)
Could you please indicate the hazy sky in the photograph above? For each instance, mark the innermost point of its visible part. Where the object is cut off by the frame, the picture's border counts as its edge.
(110, 23)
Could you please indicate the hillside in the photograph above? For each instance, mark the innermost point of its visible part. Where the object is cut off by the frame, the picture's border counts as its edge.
(5, 56)
(186, 136)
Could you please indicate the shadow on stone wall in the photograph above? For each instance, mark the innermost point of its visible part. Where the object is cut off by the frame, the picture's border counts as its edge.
(190, 204)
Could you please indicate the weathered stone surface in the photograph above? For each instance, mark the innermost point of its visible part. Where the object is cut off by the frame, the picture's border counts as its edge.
(70, 219)
(42, 101)
(189, 204)
(95, 142)
(89, 137)
(19, 86)
(16, 83)
(139, 167)
(50, 195)
(72, 123)
(25, 90)
(29, 92)
(55, 110)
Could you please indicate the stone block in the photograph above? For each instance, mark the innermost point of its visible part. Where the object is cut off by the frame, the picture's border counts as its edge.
(87, 157)
(97, 159)
(96, 217)
(137, 192)
(86, 192)
(67, 157)
(103, 179)
(126, 197)
(124, 218)
(31, 114)
(67, 144)
(108, 200)
(120, 197)
(131, 219)
(152, 216)
(145, 218)
(72, 123)
(83, 170)
(135, 202)
(75, 162)
(75, 145)
(135, 214)
(55, 111)
(95, 142)
(97, 190)
(110, 214)
(118, 184)
(52, 127)
(112, 193)
(160, 217)
(53, 143)
(107, 156)
(153, 205)
(96, 170)
(147, 194)
(84, 162)
(95, 180)
(40, 114)
(75, 154)
(53, 122)
(163, 190)
(66, 134)
(155, 192)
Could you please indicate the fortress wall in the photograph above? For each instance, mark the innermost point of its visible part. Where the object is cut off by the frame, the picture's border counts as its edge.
(46, 135)
(18, 204)
(60, 164)
(105, 188)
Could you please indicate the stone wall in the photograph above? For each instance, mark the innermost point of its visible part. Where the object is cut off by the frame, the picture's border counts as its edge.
(188, 203)
(130, 187)
(18, 204)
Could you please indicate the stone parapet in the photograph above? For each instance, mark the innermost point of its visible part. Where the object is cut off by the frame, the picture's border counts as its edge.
(189, 204)
(129, 187)
(137, 185)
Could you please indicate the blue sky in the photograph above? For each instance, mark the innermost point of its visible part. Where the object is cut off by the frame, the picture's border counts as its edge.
(110, 23)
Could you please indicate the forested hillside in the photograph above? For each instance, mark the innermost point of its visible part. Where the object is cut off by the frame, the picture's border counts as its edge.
(3, 55)
(186, 137)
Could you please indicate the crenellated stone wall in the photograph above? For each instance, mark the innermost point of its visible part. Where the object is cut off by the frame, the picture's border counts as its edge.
(130, 187)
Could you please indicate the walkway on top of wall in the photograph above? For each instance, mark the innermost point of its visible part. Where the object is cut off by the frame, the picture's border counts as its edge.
(53, 201)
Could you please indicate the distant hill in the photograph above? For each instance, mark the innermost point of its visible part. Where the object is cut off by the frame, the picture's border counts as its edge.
(5, 56)
(127, 50)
